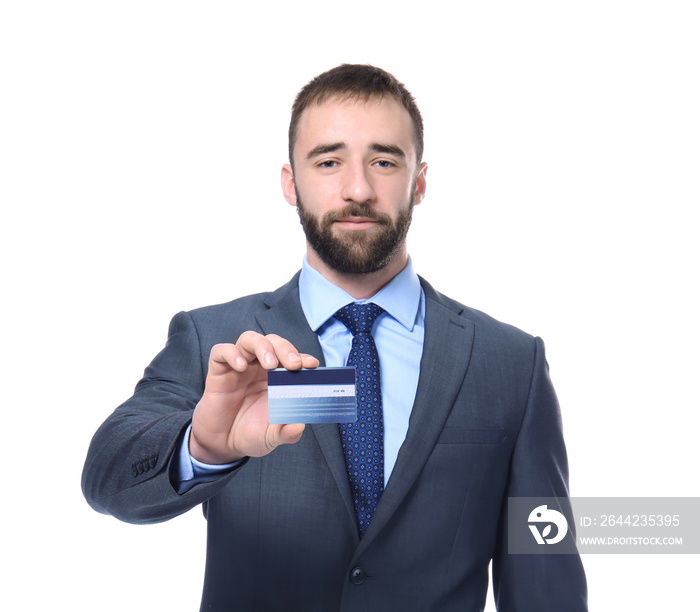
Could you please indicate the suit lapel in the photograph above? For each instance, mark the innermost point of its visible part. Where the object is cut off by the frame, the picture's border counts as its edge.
(285, 317)
(446, 354)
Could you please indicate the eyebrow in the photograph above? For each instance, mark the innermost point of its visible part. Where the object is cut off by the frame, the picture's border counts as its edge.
(325, 148)
(388, 149)
(377, 147)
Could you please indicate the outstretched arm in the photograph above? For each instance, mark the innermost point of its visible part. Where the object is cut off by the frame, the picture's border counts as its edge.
(129, 469)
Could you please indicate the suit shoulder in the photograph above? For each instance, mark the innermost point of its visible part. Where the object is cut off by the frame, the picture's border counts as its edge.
(484, 324)
(239, 307)
(246, 307)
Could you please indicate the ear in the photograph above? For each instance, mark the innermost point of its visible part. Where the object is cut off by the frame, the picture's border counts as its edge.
(287, 180)
(419, 193)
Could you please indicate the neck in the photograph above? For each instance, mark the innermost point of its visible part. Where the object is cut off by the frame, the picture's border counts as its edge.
(359, 286)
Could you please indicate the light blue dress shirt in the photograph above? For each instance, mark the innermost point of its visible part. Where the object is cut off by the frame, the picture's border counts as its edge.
(398, 334)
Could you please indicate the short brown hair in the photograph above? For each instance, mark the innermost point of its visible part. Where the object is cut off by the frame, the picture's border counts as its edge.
(355, 80)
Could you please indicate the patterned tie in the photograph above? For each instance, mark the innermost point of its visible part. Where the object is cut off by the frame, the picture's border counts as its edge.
(363, 441)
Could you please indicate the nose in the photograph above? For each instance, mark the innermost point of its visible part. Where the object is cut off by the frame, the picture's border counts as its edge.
(357, 184)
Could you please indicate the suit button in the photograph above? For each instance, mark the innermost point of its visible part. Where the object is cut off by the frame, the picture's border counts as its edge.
(357, 575)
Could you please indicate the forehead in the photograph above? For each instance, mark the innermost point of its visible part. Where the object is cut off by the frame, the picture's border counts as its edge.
(357, 122)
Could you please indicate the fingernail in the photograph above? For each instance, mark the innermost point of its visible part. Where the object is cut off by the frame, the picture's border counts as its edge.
(269, 359)
(294, 357)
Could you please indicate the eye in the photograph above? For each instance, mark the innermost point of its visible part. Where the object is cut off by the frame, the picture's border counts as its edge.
(383, 163)
(328, 163)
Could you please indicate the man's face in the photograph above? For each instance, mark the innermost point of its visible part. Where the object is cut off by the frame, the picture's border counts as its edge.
(355, 182)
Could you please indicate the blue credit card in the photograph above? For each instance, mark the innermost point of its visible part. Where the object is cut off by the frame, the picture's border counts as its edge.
(319, 395)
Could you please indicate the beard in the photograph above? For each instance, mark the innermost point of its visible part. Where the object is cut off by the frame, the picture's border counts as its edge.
(356, 252)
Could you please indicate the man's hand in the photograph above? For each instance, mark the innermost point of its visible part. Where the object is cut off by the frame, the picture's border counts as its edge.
(230, 421)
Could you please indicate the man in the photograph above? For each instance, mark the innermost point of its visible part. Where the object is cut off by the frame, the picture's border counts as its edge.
(462, 415)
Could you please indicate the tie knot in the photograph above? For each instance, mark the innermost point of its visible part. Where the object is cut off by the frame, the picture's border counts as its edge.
(359, 318)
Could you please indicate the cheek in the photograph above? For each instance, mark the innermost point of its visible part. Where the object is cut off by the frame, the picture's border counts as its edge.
(318, 194)
(397, 195)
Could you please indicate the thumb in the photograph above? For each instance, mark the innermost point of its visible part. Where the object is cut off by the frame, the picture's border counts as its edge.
(287, 434)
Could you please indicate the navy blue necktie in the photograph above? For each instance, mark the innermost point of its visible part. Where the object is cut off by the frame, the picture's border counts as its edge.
(363, 441)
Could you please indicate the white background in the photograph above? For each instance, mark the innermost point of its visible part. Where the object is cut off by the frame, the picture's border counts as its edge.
(140, 147)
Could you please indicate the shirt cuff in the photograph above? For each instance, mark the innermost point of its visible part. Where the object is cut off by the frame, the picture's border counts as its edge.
(192, 472)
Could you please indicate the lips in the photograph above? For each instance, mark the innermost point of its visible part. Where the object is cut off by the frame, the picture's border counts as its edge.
(357, 222)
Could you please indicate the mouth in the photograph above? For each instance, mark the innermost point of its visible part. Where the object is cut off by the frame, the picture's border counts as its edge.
(356, 223)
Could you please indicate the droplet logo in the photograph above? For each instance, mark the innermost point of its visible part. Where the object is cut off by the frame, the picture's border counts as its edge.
(544, 517)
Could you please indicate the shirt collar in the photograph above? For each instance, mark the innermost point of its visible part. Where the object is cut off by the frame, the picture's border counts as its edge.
(321, 299)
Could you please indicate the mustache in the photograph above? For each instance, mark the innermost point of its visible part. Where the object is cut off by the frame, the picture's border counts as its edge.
(357, 210)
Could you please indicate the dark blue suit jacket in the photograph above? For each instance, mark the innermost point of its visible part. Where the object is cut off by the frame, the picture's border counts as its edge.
(281, 529)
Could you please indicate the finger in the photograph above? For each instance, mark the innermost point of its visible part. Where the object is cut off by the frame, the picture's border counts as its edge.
(273, 351)
(226, 355)
(289, 357)
(289, 434)
(309, 361)
(287, 354)
(254, 345)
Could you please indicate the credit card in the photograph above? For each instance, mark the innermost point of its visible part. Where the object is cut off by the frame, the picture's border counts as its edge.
(318, 395)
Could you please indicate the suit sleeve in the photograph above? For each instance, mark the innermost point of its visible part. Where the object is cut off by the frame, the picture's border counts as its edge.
(539, 468)
(130, 470)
